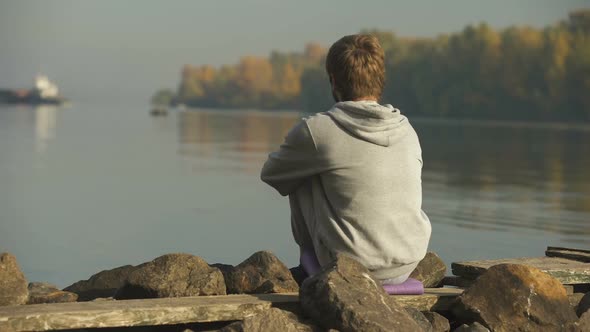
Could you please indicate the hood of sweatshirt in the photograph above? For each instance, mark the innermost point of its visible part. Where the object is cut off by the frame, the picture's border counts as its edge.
(370, 121)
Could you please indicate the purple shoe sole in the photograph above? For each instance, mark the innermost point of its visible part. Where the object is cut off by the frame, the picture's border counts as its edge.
(408, 287)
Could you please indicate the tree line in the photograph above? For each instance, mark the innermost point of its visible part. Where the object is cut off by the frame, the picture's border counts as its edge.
(516, 73)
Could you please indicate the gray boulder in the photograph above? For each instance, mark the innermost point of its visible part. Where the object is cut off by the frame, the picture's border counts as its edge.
(104, 284)
(431, 270)
(172, 275)
(511, 297)
(42, 292)
(13, 285)
(271, 320)
(346, 297)
(261, 273)
(438, 322)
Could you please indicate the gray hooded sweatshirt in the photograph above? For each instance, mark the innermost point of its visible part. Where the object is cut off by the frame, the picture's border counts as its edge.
(359, 166)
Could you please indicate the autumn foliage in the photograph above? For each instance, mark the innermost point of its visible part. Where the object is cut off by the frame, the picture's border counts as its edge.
(514, 73)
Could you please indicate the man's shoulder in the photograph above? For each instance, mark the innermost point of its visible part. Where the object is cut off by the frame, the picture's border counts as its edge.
(309, 128)
(319, 121)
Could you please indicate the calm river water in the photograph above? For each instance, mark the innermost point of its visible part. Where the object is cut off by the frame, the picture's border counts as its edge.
(93, 186)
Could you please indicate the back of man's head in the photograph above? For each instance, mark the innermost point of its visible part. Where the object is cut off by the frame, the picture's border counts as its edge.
(356, 68)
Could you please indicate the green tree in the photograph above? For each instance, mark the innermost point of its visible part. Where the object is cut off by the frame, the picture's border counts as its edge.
(162, 97)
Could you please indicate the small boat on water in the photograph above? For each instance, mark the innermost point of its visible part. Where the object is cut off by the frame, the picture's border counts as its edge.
(43, 92)
(159, 111)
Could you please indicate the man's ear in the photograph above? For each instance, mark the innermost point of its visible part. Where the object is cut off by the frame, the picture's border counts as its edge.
(335, 93)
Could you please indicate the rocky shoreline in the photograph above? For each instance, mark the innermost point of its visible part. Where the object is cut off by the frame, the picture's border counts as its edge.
(342, 297)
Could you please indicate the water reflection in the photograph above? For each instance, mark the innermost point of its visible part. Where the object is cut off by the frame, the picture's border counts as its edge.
(240, 141)
(502, 178)
(508, 178)
(45, 126)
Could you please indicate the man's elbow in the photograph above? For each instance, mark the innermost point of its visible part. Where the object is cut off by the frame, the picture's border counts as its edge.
(283, 187)
(265, 176)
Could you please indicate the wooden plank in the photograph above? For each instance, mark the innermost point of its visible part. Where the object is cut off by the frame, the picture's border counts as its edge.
(579, 255)
(146, 312)
(565, 270)
(587, 251)
(167, 311)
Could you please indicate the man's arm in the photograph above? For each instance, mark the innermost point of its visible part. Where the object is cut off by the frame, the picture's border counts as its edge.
(296, 160)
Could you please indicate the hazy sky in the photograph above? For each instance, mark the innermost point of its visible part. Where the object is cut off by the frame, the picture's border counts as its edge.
(129, 48)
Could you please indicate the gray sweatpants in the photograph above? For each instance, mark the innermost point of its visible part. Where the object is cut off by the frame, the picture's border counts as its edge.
(303, 224)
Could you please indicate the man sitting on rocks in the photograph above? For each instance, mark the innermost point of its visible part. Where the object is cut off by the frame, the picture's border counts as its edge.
(353, 173)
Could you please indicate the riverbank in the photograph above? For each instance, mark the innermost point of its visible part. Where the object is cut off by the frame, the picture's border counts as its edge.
(262, 294)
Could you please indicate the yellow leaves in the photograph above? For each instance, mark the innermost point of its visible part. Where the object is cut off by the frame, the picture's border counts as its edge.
(314, 52)
(196, 80)
(478, 72)
(290, 82)
(255, 74)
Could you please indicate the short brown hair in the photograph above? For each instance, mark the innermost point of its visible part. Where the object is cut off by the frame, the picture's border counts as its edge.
(356, 63)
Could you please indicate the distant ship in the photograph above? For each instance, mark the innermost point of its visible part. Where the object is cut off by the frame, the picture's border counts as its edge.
(43, 92)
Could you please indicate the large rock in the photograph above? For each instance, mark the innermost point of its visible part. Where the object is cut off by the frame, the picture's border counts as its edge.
(271, 320)
(261, 273)
(104, 284)
(420, 319)
(475, 327)
(511, 297)
(172, 275)
(346, 297)
(42, 292)
(224, 268)
(431, 270)
(583, 325)
(13, 285)
(583, 305)
(439, 322)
